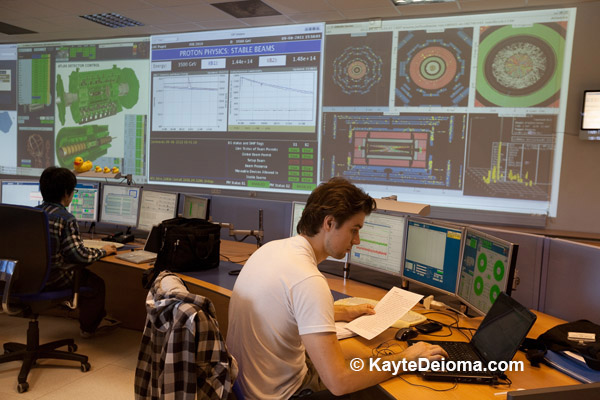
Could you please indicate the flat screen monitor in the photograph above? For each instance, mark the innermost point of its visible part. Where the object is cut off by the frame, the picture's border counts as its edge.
(195, 207)
(84, 205)
(155, 207)
(486, 269)
(432, 254)
(381, 243)
(590, 115)
(120, 205)
(297, 208)
(21, 193)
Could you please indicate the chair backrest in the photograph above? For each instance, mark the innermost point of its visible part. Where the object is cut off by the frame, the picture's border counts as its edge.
(24, 237)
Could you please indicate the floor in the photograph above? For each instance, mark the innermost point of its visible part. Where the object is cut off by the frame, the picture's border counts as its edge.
(113, 358)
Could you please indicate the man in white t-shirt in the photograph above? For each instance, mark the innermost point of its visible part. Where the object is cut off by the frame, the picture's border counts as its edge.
(282, 309)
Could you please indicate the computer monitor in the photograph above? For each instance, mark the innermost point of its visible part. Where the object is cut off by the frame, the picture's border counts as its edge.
(155, 207)
(590, 116)
(195, 207)
(84, 205)
(297, 208)
(381, 243)
(487, 268)
(120, 205)
(432, 254)
(21, 193)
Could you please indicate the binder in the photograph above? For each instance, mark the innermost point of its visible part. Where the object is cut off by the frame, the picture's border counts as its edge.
(572, 367)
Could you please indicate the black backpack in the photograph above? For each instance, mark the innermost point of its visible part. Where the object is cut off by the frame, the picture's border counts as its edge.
(185, 244)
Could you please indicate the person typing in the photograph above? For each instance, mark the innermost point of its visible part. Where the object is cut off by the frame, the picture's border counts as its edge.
(57, 186)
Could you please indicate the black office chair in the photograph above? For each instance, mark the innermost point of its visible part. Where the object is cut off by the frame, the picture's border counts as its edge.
(24, 270)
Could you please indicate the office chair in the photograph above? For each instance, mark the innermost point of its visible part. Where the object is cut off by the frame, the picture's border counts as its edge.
(24, 270)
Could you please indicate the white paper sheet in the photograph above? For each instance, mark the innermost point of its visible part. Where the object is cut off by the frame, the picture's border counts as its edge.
(391, 308)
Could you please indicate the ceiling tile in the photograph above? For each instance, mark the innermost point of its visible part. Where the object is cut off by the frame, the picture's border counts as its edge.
(157, 16)
(360, 4)
(370, 13)
(265, 21)
(429, 9)
(224, 24)
(294, 7)
(176, 28)
(491, 5)
(171, 3)
(119, 6)
(199, 12)
(328, 16)
(72, 7)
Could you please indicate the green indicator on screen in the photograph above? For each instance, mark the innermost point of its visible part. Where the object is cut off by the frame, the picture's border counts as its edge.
(259, 184)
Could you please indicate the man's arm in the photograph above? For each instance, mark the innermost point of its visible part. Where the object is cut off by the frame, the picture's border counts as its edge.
(349, 313)
(326, 354)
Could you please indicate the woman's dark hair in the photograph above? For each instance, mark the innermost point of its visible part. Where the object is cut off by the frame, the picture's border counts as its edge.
(57, 182)
(338, 198)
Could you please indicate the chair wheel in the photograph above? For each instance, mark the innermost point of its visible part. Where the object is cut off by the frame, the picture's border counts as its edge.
(22, 387)
(85, 366)
(72, 348)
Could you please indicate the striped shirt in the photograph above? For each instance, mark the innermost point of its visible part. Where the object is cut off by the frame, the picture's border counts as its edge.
(66, 246)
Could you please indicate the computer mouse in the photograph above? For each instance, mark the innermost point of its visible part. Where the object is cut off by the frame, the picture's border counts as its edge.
(404, 334)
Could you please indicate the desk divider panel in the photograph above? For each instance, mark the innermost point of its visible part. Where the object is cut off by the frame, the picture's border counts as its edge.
(571, 281)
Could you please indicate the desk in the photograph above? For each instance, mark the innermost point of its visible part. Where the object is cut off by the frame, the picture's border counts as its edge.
(125, 300)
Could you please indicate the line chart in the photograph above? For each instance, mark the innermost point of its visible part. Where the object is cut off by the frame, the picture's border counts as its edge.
(282, 98)
(190, 102)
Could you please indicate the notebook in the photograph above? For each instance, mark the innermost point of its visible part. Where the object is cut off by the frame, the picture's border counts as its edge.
(497, 339)
(149, 253)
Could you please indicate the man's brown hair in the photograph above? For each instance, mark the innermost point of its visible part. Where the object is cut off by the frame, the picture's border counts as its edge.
(336, 197)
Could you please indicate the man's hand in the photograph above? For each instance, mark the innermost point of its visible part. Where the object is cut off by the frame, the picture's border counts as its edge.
(110, 249)
(423, 350)
(349, 313)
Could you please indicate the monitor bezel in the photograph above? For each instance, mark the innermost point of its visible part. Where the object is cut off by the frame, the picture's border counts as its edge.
(443, 224)
(103, 191)
(97, 201)
(352, 262)
(186, 196)
(512, 257)
(142, 191)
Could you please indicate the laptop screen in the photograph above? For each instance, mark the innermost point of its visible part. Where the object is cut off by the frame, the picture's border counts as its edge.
(503, 329)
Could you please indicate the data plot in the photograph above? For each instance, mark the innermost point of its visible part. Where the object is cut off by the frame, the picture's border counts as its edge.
(190, 102)
(263, 100)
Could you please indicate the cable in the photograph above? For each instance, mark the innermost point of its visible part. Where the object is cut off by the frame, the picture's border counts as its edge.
(429, 387)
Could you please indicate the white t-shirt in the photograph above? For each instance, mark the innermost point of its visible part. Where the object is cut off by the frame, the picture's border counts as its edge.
(278, 296)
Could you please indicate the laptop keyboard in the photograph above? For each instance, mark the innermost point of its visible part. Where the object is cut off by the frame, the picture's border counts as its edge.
(458, 351)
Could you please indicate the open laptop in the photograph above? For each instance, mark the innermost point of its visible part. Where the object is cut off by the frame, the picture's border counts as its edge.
(149, 253)
(497, 339)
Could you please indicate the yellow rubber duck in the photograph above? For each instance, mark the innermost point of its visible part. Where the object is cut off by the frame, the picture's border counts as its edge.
(115, 170)
(98, 168)
(80, 166)
(106, 170)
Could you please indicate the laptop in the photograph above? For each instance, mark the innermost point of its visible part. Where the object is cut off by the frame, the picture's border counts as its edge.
(497, 339)
(149, 253)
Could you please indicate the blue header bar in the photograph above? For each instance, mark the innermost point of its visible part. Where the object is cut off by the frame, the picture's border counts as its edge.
(252, 49)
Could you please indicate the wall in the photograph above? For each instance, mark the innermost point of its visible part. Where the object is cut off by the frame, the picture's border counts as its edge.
(580, 173)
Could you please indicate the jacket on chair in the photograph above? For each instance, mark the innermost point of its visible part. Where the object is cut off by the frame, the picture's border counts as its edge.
(182, 354)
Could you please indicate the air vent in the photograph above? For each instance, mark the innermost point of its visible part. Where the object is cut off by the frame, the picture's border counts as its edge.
(112, 20)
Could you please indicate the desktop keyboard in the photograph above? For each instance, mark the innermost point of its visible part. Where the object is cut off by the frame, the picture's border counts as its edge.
(411, 318)
(137, 256)
(98, 244)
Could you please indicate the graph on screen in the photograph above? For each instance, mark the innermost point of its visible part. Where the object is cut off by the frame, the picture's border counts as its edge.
(285, 99)
(190, 102)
